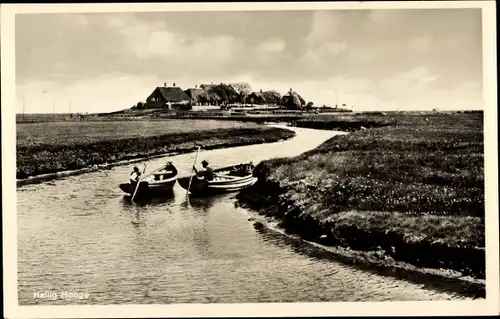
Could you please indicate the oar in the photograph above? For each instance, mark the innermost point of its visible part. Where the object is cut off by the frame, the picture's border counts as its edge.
(191, 178)
(138, 182)
(152, 172)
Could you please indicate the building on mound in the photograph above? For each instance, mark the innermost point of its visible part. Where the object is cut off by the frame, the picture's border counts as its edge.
(256, 98)
(166, 97)
(293, 100)
(208, 87)
(196, 95)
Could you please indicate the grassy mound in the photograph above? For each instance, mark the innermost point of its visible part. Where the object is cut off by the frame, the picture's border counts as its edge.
(414, 189)
(341, 122)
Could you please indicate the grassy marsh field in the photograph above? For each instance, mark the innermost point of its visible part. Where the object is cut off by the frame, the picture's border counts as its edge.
(412, 189)
(51, 147)
(69, 133)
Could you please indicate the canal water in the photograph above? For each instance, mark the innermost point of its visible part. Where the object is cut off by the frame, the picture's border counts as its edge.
(80, 235)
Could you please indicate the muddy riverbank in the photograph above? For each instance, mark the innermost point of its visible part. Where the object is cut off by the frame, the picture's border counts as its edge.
(459, 269)
(403, 194)
(172, 250)
(374, 261)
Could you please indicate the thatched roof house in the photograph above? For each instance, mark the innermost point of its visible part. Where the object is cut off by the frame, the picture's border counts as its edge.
(194, 94)
(272, 97)
(241, 87)
(293, 100)
(207, 87)
(163, 96)
(256, 98)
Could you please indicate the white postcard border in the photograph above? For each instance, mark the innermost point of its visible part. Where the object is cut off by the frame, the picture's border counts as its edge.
(480, 307)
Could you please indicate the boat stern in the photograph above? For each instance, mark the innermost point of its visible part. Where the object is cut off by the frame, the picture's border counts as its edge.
(126, 188)
(130, 188)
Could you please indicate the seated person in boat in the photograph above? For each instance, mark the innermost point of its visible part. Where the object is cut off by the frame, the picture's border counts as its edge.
(242, 169)
(164, 173)
(135, 175)
(250, 167)
(207, 172)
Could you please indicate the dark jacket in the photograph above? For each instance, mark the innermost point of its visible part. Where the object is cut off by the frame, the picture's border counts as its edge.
(207, 173)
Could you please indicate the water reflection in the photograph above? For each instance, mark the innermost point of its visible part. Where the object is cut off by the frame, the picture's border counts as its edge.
(148, 201)
(140, 207)
(138, 220)
(173, 249)
(203, 204)
(313, 252)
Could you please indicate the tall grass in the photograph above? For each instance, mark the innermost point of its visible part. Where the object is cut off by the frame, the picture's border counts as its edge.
(418, 181)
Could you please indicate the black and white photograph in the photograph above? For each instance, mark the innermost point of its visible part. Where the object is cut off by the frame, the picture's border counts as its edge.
(241, 159)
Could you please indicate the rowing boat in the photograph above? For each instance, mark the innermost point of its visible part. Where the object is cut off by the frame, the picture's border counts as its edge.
(157, 183)
(227, 179)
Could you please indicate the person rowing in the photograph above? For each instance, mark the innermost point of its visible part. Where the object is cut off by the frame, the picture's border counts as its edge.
(135, 175)
(207, 172)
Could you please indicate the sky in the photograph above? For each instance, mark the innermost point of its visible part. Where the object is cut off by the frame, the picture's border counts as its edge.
(406, 59)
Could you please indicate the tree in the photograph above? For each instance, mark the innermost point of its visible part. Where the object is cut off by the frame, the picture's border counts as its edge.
(309, 105)
(139, 106)
(243, 90)
(296, 103)
(272, 97)
(226, 93)
(204, 97)
(214, 98)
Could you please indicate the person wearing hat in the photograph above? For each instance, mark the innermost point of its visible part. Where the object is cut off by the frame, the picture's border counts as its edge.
(135, 175)
(207, 172)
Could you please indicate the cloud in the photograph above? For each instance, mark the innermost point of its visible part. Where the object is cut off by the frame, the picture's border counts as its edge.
(113, 92)
(324, 26)
(421, 44)
(378, 56)
(408, 84)
(116, 21)
(271, 46)
(157, 43)
(325, 51)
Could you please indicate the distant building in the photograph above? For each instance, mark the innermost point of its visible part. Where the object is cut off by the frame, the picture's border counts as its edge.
(207, 87)
(195, 95)
(241, 87)
(292, 100)
(256, 98)
(167, 97)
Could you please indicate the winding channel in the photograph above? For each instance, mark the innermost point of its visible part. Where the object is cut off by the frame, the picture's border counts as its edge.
(79, 234)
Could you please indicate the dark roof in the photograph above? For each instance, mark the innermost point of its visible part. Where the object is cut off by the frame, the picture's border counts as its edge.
(288, 98)
(257, 94)
(291, 94)
(194, 93)
(207, 87)
(257, 97)
(172, 94)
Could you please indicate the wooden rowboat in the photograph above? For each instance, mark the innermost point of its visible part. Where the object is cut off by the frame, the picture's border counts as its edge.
(157, 183)
(227, 179)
